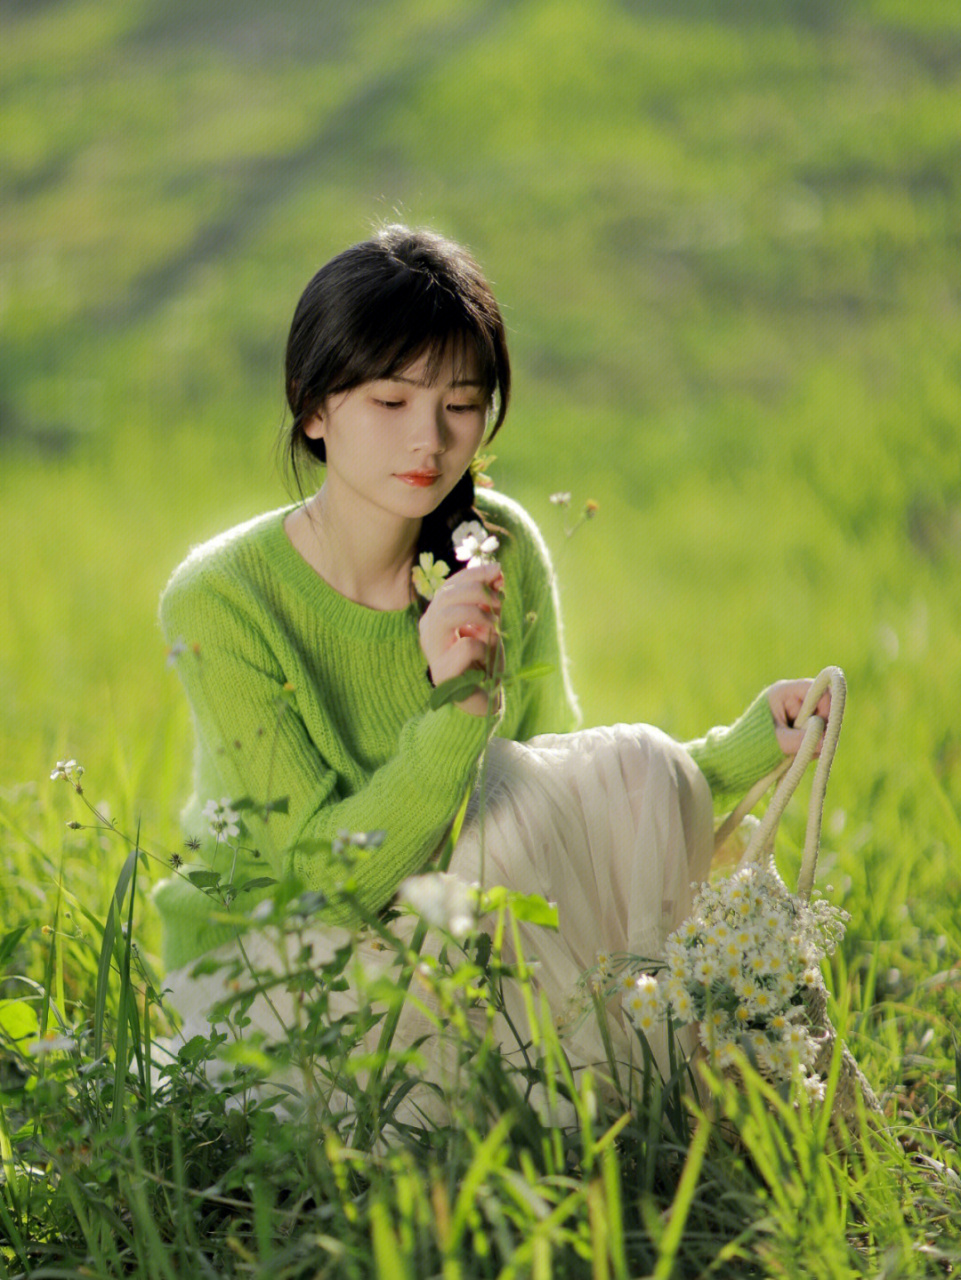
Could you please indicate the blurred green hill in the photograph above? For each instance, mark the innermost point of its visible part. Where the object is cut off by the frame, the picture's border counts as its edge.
(726, 239)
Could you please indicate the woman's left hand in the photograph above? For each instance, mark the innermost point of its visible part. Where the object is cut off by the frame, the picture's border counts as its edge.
(785, 698)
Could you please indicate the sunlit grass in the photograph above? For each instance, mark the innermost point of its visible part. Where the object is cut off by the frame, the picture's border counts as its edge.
(725, 245)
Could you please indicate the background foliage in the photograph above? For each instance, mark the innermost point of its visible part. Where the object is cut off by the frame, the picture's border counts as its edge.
(726, 240)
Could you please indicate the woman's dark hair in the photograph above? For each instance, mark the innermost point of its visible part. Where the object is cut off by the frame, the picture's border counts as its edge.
(377, 308)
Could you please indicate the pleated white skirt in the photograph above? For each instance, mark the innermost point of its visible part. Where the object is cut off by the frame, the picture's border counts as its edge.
(612, 824)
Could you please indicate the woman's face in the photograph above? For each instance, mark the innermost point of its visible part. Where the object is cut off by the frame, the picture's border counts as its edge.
(401, 444)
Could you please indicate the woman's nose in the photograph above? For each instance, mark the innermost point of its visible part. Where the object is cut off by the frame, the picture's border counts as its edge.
(430, 432)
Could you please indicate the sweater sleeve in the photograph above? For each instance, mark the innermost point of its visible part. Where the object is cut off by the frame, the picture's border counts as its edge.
(547, 701)
(733, 758)
(252, 735)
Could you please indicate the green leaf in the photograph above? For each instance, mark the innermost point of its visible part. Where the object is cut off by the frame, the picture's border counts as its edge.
(196, 1048)
(204, 879)
(536, 671)
(260, 882)
(532, 908)
(280, 805)
(457, 689)
(493, 899)
(18, 1021)
(482, 949)
(8, 943)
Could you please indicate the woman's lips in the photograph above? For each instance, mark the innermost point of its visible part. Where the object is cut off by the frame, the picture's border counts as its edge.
(419, 479)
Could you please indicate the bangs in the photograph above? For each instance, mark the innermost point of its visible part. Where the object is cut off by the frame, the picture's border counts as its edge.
(412, 318)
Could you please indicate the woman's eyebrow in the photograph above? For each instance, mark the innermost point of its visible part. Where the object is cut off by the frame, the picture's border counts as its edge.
(419, 382)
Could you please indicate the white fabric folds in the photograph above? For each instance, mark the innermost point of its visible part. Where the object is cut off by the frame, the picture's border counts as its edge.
(612, 824)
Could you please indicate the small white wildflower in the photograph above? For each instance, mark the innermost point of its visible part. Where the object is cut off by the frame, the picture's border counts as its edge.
(221, 819)
(762, 1001)
(795, 1038)
(683, 1006)
(785, 985)
(647, 986)
(51, 1043)
(757, 964)
(443, 900)
(560, 499)
(67, 770)
(642, 1002)
(473, 545)
(673, 987)
(428, 575)
(814, 1087)
(367, 839)
(644, 1019)
(743, 986)
(346, 840)
(690, 929)
(714, 1022)
(725, 1052)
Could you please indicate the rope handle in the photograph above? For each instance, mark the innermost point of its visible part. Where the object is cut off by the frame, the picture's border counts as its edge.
(787, 776)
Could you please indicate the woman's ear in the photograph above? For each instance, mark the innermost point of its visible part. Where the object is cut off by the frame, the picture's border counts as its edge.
(313, 428)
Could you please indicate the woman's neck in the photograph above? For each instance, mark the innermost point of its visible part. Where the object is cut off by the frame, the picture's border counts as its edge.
(367, 561)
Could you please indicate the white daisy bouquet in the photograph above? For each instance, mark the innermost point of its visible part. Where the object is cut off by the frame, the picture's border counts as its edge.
(744, 966)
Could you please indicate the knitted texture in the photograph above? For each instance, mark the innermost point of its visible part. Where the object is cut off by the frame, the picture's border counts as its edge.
(298, 693)
(734, 757)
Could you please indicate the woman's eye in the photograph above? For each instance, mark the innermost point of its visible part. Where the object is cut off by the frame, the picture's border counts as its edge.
(464, 408)
(390, 404)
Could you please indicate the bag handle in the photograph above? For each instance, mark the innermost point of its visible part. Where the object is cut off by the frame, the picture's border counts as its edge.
(788, 774)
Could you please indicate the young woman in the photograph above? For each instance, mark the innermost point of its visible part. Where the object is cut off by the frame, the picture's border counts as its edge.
(309, 660)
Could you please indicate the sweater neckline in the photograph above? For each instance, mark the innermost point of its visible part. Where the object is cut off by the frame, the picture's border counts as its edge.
(317, 593)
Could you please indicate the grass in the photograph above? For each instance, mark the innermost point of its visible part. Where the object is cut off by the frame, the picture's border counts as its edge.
(724, 238)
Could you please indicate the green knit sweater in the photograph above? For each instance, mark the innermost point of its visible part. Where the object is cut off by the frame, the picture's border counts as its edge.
(301, 695)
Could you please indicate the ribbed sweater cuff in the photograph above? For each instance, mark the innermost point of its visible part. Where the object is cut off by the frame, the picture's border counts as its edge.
(452, 740)
(733, 758)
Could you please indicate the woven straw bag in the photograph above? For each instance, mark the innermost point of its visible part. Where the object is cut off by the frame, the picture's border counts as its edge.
(853, 1097)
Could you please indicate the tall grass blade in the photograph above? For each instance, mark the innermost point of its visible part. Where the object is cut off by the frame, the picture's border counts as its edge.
(684, 1197)
(388, 1256)
(110, 931)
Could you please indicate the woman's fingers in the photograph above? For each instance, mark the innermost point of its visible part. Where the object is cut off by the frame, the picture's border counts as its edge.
(466, 608)
(483, 581)
(465, 654)
(786, 698)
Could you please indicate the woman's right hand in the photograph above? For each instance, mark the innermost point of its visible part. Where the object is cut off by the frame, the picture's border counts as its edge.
(459, 629)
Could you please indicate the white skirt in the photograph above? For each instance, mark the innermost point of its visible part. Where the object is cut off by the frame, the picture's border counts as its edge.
(612, 824)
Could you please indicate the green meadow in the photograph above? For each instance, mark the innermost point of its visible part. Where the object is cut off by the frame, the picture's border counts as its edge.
(725, 237)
